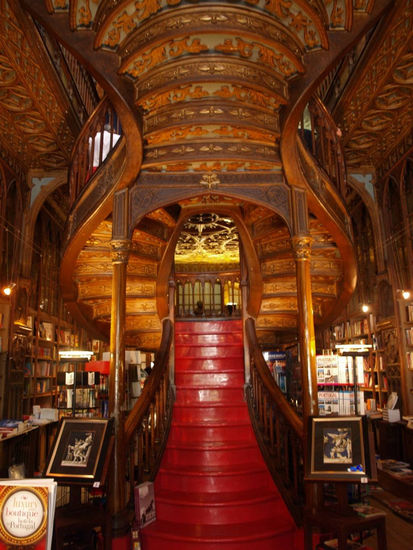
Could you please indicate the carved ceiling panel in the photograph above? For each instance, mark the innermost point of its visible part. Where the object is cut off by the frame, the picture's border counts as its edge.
(210, 238)
(376, 113)
(34, 128)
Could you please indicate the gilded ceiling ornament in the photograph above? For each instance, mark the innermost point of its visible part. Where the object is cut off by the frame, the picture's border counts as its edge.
(302, 247)
(210, 181)
(210, 238)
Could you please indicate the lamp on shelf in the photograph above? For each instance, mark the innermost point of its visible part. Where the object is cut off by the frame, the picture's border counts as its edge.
(405, 294)
(365, 308)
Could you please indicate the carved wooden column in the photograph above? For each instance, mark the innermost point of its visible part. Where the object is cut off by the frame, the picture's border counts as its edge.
(120, 254)
(302, 252)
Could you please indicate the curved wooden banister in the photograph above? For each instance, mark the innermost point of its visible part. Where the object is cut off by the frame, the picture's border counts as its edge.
(274, 391)
(322, 139)
(278, 428)
(96, 141)
(147, 425)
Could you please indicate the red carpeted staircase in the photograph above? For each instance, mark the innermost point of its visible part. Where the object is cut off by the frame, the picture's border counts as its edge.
(213, 489)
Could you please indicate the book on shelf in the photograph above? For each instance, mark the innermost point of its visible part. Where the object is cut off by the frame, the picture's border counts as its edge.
(27, 513)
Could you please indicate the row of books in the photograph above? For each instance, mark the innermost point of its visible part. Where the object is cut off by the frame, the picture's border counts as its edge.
(339, 369)
(85, 398)
(340, 402)
(409, 336)
(409, 313)
(410, 360)
(44, 368)
(352, 329)
(42, 386)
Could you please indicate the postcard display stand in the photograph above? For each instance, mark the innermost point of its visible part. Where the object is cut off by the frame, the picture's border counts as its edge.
(340, 451)
(80, 458)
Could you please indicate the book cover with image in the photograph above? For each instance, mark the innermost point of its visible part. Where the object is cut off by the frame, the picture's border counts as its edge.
(27, 513)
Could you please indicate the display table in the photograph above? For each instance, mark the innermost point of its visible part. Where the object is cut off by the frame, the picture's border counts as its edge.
(342, 526)
(395, 485)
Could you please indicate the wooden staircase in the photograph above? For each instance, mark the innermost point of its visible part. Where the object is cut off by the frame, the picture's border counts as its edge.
(213, 489)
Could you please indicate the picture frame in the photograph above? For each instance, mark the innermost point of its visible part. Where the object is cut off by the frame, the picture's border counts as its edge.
(79, 450)
(339, 449)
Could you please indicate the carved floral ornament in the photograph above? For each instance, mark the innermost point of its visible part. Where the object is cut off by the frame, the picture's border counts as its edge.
(274, 57)
(208, 237)
(302, 247)
(120, 250)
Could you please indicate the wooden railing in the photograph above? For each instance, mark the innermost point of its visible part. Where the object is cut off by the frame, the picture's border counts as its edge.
(322, 138)
(96, 141)
(147, 425)
(278, 428)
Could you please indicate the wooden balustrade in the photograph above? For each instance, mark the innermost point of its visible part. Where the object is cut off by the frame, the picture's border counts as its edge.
(147, 425)
(96, 141)
(278, 428)
(322, 138)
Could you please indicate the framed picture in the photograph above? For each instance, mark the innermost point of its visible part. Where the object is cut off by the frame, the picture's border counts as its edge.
(79, 450)
(338, 449)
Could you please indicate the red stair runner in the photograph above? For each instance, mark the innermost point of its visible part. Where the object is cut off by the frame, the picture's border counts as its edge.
(213, 489)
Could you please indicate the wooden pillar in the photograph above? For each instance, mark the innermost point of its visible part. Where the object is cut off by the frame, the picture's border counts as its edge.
(120, 254)
(306, 335)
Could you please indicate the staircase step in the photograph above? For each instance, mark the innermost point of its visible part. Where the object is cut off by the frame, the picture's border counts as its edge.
(211, 431)
(213, 508)
(223, 478)
(209, 364)
(214, 339)
(207, 327)
(207, 352)
(206, 379)
(187, 395)
(213, 489)
(256, 535)
(211, 454)
(207, 412)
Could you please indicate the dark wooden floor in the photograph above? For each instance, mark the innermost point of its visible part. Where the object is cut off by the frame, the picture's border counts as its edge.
(399, 531)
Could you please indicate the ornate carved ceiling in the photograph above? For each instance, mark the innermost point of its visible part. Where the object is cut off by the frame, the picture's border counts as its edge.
(35, 131)
(210, 79)
(376, 110)
(208, 238)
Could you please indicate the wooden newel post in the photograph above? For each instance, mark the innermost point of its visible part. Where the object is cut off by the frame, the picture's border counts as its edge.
(120, 254)
(306, 336)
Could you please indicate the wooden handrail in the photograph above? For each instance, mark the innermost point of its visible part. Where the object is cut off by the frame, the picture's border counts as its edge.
(322, 139)
(96, 141)
(147, 425)
(278, 428)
